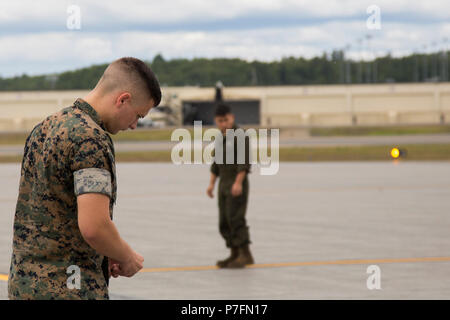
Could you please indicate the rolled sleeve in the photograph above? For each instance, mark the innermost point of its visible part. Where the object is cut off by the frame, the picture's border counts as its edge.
(214, 168)
(91, 167)
(243, 167)
(92, 180)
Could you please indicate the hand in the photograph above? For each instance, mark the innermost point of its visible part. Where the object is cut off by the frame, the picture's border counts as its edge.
(236, 189)
(210, 191)
(130, 267)
(114, 269)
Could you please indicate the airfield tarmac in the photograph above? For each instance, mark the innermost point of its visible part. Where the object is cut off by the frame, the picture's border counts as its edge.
(127, 146)
(315, 227)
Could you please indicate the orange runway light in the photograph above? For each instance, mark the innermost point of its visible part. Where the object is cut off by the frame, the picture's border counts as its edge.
(397, 153)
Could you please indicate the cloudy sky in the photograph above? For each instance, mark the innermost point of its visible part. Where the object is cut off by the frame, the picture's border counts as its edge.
(43, 36)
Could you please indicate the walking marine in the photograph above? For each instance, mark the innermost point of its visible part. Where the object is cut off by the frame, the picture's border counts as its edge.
(232, 194)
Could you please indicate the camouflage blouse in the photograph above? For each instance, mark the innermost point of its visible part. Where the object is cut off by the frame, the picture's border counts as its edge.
(69, 153)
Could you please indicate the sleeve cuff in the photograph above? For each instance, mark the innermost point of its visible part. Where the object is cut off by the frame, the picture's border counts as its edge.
(92, 180)
(245, 168)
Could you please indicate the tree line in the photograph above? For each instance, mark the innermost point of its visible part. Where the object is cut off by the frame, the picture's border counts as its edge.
(333, 68)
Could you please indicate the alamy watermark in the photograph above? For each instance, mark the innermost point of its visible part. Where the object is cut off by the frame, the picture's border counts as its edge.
(373, 22)
(74, 279)
(214, 151)
(374, 280)
(73, 21)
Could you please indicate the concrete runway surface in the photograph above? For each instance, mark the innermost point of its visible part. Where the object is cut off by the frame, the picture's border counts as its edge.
(284, 143)
(315, 227)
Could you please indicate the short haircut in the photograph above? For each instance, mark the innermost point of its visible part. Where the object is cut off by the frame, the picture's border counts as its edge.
(131, 74)
(222, 110)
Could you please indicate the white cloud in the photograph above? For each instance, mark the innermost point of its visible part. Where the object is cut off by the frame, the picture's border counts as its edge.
(181, 11)
(51, 47)
(34, 38)
(82, 48)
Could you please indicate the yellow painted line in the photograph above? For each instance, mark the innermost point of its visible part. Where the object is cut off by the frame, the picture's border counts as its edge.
(196, 268)
(311, 263)
(296, 191)
(4, 277)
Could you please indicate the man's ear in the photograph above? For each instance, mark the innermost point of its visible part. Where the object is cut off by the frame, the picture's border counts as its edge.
(122, 99)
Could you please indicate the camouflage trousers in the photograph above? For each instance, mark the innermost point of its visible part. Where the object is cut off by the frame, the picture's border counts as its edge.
(35, 279)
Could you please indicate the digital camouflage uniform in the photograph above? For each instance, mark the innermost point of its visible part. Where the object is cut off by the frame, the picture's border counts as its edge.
(67, 154)
(232, 223)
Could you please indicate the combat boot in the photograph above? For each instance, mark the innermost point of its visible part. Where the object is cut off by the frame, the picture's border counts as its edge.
(233, 254)
(244, 258)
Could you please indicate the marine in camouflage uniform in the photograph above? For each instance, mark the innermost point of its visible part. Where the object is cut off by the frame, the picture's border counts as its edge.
(232, 209)
(68, 154)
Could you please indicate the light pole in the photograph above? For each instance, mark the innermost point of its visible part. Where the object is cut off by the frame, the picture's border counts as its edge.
(360, 64)
(368, 67)
(416, 65)
(425, 63)
(348, 76)
(434, 61)
(444, 60)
